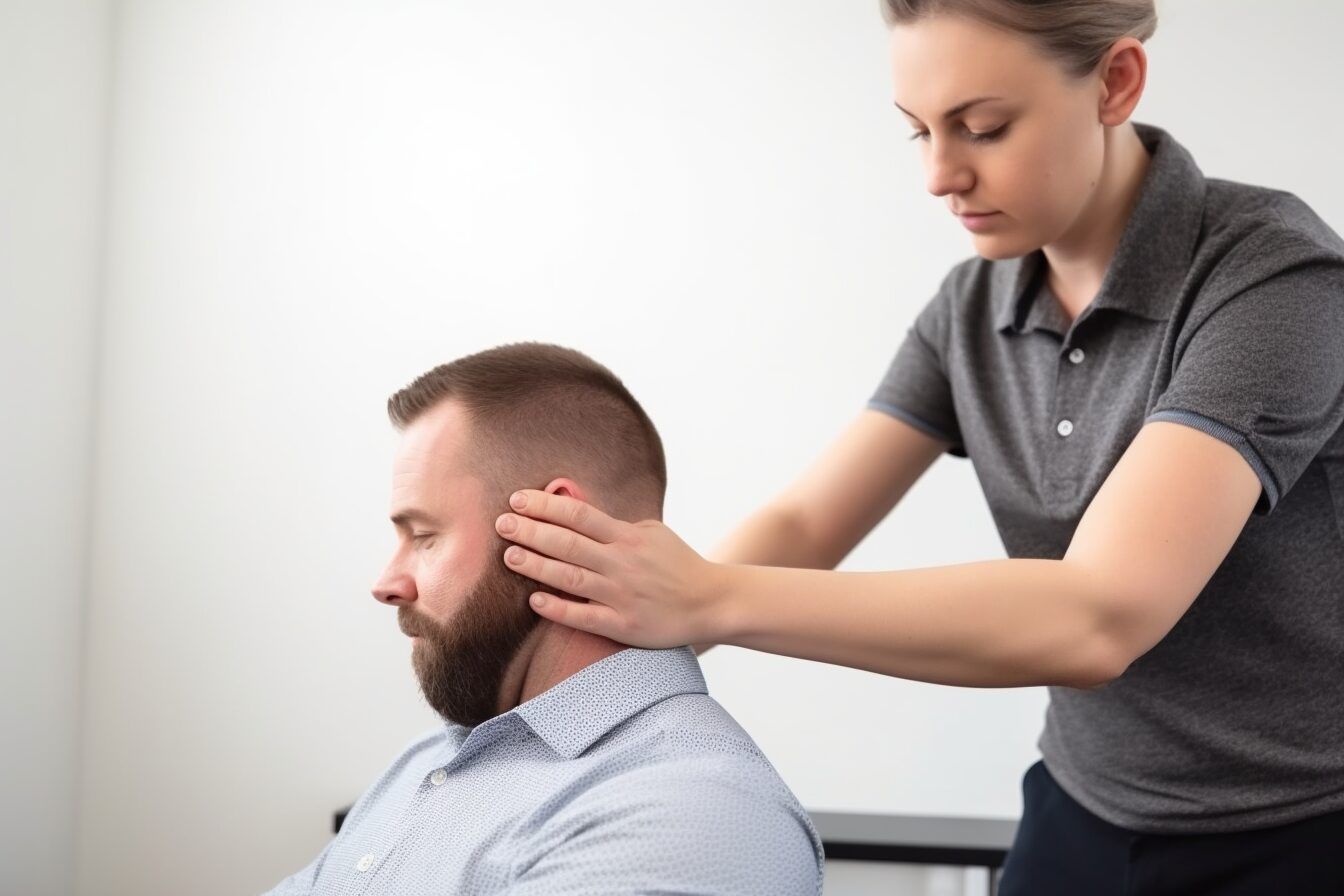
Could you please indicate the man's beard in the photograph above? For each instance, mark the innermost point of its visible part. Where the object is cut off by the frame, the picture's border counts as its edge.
(461, 662)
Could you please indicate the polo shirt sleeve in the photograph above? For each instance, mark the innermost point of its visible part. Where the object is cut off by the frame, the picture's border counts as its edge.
(1264, 371)
(703, 824)
(916, 387)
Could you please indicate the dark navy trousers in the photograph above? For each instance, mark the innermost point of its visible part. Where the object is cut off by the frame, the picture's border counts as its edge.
(1061, 849)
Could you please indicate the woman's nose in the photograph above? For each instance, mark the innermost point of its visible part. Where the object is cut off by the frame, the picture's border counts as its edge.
(947, 174)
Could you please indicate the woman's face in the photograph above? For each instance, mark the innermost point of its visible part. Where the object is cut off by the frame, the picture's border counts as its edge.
(1027, 151)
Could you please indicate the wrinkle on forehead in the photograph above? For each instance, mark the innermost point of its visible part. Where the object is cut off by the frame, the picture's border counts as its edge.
(429, 472)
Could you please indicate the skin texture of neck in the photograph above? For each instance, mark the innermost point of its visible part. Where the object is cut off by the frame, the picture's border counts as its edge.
(550, 655)
(1078, 261)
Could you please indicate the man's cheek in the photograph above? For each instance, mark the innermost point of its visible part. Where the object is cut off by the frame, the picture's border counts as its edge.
(440, 585)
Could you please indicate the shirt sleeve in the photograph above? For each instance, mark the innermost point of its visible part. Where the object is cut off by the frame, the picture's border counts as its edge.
(916, 387)
(1264, 372)
(703, 826)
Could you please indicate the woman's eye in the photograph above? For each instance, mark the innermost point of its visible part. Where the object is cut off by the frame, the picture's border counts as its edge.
(986, 136)
(973, 136)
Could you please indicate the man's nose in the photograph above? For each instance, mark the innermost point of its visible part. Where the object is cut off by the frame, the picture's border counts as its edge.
(946, 173)
(393, 588)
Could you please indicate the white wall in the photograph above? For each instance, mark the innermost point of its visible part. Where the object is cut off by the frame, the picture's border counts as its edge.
(314, 202)
(53, 76)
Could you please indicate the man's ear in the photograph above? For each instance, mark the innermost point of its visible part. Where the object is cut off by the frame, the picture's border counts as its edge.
(1124, 72)
(570, 489)
(567, 487)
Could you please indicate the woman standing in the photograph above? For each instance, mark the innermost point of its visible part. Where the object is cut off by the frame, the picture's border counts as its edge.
(1146, 368)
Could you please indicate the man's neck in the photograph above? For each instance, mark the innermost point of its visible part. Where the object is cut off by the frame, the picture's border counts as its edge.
(551, 654)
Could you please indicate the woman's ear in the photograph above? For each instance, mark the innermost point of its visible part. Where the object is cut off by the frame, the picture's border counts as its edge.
(1124, 71)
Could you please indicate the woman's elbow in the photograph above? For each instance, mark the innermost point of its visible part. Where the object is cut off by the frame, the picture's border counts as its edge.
(1105, 658)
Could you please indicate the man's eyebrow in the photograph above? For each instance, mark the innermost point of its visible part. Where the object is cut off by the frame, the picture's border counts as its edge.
(403, 518)
(955, 110)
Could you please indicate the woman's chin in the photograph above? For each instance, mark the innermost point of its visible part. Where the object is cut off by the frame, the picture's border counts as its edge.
(1000, 246)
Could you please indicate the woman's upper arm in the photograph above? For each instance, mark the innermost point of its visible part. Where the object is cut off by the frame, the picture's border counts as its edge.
(1159, 527)
(856, 481)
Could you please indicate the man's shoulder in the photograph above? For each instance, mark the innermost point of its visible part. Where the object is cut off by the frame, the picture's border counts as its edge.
(688, 752)
(686, 725)
(685, 789)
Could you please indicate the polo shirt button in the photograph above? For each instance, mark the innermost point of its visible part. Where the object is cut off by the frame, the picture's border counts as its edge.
(438, 777)
(365, 863)
(1076, 356)
(1064, 428)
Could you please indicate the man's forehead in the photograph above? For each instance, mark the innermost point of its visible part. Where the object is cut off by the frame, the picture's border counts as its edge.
(430, 453)
(443, 429)
(424, 487)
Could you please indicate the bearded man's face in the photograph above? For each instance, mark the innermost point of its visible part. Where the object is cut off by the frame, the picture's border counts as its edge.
(461, 662)
(466, 611)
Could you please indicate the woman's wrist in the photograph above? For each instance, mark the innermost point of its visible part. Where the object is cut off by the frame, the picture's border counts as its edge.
(723, 622)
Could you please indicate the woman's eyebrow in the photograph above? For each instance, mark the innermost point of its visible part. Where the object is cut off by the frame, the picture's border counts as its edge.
(955, 110)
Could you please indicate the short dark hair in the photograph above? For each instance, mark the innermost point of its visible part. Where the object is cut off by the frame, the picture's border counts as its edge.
(539, 411)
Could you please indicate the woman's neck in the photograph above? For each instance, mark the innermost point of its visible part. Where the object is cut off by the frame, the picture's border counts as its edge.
(1078, 261)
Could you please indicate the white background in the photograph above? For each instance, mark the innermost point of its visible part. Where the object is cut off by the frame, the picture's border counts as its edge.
(228, 230)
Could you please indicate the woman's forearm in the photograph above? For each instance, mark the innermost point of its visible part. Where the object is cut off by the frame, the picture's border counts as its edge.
(996, 623)
(769, 537)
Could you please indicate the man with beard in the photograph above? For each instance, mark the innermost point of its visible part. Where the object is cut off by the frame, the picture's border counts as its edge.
(568, 763)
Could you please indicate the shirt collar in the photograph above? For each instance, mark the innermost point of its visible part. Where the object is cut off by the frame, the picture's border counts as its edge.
(1151, 260)
(571, 716)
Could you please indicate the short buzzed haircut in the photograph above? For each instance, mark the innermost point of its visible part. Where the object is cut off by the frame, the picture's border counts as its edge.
(539, 411)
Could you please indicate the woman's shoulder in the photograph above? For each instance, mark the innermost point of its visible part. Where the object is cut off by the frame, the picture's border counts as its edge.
(1252, 236)
(1248, 217)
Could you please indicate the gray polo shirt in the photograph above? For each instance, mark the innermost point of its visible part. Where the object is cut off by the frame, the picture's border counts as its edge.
(1223, 309)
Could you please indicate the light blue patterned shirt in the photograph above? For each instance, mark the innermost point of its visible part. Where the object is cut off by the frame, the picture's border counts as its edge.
(626, 777)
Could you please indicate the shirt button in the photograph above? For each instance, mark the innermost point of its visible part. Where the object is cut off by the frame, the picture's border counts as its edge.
(1064, 428)
(365, 863)
(1076, 356)
(438, 777)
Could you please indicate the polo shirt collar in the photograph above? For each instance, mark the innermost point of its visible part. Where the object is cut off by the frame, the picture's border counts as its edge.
(1151, 260)
(571, 716)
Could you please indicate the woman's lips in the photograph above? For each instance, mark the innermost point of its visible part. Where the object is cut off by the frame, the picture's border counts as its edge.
(978, 222)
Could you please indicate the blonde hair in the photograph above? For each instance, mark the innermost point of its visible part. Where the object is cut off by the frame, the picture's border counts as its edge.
(1076, 33)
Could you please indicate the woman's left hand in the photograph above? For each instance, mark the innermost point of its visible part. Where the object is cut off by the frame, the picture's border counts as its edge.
(645, 586)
